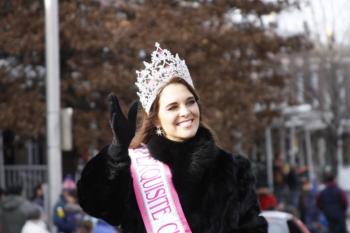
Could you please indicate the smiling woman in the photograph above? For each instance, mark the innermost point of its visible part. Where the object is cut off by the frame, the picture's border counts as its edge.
(169, 175)
(178, 111)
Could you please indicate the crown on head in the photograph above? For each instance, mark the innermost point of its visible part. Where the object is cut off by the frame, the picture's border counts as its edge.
(163, 67)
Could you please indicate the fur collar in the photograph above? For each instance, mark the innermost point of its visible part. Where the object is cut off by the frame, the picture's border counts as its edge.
(191, 157)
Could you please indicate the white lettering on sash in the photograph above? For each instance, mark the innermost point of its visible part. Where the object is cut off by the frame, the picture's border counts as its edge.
(156, 197)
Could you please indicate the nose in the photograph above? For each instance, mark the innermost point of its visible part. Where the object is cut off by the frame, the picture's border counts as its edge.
(184, 111)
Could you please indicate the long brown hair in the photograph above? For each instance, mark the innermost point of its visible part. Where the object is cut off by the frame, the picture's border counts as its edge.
(146, 127)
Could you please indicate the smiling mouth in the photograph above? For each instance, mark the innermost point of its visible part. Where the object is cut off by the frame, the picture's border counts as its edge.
(186, 123)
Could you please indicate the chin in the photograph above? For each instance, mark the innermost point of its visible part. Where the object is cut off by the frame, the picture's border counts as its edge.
(189, 134)
(187, 137)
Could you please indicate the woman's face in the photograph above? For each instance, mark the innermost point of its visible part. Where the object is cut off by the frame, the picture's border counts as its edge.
(178, 113)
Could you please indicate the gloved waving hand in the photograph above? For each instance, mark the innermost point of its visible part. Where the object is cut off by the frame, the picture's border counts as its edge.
(123, 131)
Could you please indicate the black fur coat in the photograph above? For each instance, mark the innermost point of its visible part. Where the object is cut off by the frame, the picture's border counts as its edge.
(216, 189)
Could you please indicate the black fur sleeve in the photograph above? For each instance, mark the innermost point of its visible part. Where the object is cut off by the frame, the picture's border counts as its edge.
(249, 220)
(102, 195)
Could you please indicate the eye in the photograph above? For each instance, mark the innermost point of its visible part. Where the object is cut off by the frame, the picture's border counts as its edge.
(191, 102)
(172, 107)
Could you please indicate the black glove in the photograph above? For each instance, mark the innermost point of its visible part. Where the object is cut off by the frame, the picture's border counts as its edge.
(123, 131)
(123, 128)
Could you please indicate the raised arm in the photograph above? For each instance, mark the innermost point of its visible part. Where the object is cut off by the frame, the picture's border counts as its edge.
(105, 182)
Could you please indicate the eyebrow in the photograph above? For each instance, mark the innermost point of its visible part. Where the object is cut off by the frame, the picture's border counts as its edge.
(174, 103)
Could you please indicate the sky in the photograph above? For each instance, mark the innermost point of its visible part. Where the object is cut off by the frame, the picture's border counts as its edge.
(322, 17)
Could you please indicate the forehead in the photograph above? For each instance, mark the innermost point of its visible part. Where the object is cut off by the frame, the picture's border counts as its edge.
(174, 92)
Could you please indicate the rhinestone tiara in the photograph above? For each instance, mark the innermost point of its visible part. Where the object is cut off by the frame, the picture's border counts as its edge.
(163, 67)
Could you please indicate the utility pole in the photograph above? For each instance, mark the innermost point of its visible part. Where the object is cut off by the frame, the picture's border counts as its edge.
(54, 160)
(269, 158)
(2, 162)
(309, 156)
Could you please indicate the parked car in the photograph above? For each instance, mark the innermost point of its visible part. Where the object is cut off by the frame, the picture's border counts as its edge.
(282, 222)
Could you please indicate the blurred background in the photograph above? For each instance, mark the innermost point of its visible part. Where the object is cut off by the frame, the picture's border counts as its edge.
(273, 78)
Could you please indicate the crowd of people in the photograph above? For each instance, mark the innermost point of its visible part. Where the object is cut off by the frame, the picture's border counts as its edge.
(321, 206)
(27, 215)
(320, 203)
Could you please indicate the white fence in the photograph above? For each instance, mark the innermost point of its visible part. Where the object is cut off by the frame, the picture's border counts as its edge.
(26, 175)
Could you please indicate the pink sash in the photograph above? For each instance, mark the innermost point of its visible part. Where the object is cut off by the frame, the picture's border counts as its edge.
(155, 194)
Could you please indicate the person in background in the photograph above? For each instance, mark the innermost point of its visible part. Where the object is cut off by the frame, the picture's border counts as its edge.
(67, 213)
(278, 179)
(293, 183)
(38, 195)
(103, 227)
(14, 210)
(69, 183)
(2, 193)
(333, 202)
(309, 212)
(267, 199)
(34, 223)
(84, 226)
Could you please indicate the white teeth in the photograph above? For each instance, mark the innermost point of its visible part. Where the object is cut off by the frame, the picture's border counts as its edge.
(185, 123)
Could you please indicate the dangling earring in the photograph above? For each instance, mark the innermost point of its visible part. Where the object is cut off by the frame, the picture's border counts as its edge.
(159, 131)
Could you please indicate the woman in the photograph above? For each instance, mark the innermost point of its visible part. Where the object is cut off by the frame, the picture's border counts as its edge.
(170, 176)
(38, 195)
